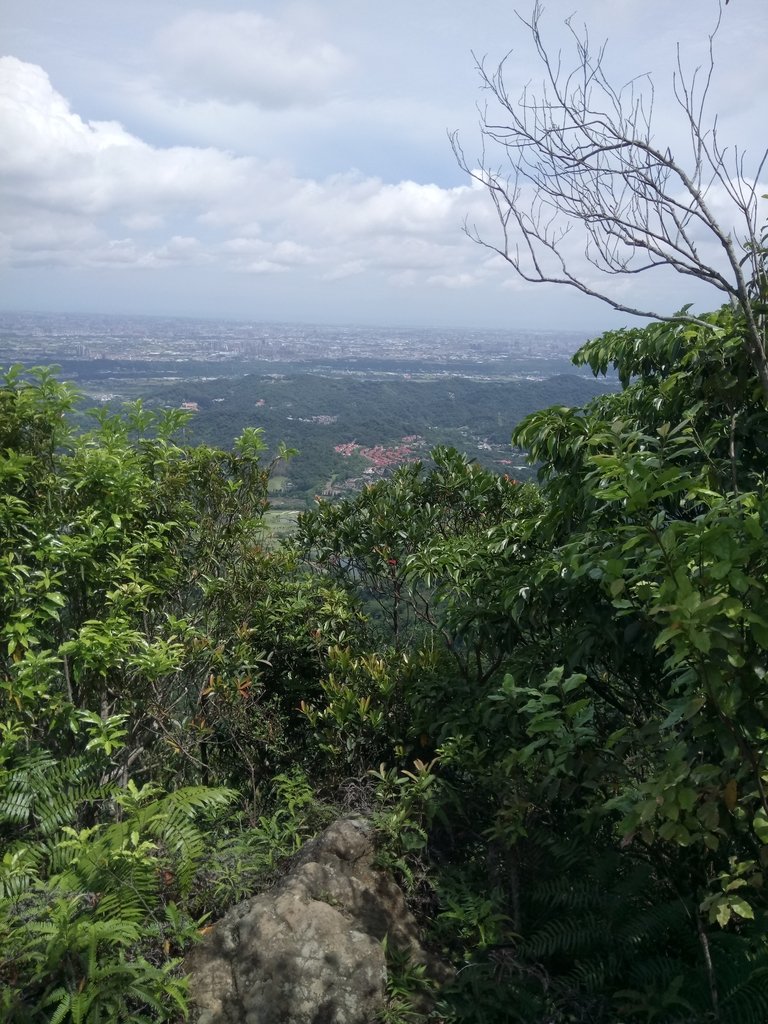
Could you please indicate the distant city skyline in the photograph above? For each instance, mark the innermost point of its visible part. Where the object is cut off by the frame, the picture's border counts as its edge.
(288, 161)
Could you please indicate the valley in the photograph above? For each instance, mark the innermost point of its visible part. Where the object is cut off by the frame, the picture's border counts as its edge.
(353, 402)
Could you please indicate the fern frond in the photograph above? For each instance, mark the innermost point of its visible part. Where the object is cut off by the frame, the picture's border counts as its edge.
(19, 868)
(748, 1003)
(131, 896)
(42, 794)
(64, 999)
(656, 971)
(570, 935)
(592, 975)
(653, 921)
(172, 822)
(568, 893)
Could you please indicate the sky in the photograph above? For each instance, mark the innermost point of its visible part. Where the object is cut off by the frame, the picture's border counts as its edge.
(289, 161)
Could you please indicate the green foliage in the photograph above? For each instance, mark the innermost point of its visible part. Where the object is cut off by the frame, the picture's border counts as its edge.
(409, 989)
(590, 673)
(143, 629)
(408, 544)
(82, 928)
(551, 701)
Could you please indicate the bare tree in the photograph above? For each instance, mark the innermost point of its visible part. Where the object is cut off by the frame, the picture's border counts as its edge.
(579, 158)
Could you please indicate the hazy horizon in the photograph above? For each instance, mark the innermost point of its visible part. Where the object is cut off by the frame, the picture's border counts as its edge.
(327, 325)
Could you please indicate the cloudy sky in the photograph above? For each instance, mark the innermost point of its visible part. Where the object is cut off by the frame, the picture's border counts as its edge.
(289, 161)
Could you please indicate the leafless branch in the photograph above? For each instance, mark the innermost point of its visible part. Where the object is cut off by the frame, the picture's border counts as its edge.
(578, 160)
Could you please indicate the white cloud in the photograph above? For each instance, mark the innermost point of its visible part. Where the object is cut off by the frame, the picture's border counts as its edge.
(453, 280)
(89, 194)
(55, 160)
(75, 187)
(243, 57)
(142, 221)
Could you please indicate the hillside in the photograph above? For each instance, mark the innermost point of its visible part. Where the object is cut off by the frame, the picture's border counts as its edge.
(316, 413)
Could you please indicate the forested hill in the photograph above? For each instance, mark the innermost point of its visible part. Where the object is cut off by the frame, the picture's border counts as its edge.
(369, 411)
(314, 413)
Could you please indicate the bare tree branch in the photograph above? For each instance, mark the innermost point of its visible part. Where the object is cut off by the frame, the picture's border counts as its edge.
(578, 159)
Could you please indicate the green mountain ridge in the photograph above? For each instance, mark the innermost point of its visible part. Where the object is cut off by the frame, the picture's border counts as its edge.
(456, 410)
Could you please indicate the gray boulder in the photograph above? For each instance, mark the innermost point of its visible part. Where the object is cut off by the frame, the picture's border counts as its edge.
(310, 950)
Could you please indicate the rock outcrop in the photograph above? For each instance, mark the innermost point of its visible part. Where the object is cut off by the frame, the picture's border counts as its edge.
(310, 950)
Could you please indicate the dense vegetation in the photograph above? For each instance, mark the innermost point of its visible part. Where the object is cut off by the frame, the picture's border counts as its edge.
(550, 699)
(455, 410)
